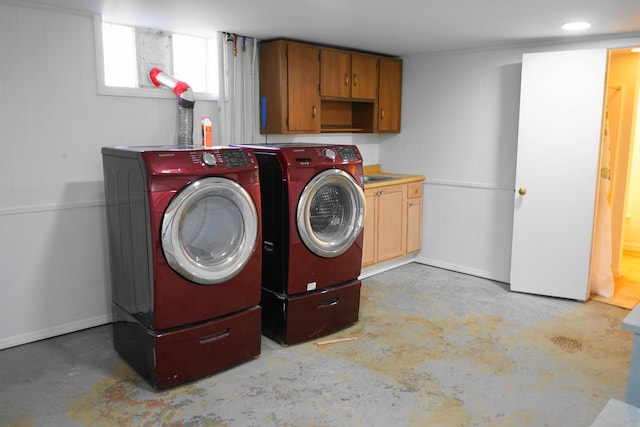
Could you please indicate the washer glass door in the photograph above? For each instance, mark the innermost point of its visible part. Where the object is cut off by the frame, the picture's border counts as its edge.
(210, 230)
(330, 213)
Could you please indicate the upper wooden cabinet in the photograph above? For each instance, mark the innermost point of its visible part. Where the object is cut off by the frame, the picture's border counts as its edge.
(289, 85)
(348, 75)
(306, 88)
(389, 95)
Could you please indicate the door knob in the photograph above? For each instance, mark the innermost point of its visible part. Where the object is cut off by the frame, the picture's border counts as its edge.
(522, 191)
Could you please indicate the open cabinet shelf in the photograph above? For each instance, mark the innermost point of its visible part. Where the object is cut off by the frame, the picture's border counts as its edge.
(346, 116)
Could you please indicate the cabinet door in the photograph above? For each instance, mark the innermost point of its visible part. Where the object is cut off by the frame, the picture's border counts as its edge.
(414, 222)
(414, 217)
(389, 95)
(391, 223)
(335, 77)
(370, 224)
(303, 69)
(273, 87)
(364, 76)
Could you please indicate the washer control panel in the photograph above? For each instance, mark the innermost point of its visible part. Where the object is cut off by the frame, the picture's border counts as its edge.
(208, 159)
(229, 157)
(329, 154)
(310, 155)
(348, 153)
(184, 161)
(235, 158)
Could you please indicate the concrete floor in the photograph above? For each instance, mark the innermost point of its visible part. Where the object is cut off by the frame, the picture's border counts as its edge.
(434, 348)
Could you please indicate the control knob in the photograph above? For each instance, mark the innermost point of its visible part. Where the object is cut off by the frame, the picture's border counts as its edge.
(329, 154)
(208, 159)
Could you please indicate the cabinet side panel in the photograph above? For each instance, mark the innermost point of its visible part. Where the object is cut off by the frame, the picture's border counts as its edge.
(414, 225)
(273, 87)
(369, 244)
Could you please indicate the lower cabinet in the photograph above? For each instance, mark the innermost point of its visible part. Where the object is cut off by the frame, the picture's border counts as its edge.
(414, 217)
(393, 223)
(370, 226)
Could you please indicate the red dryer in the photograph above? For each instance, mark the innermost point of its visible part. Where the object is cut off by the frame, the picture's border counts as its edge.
(313, 209)
(184, 227)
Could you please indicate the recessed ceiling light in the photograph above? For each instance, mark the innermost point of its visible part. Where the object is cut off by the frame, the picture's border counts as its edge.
(576, 25)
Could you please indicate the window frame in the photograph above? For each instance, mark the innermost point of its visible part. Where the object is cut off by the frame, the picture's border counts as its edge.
(139, 92)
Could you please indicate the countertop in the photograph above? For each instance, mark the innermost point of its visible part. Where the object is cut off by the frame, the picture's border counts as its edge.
(398, 178)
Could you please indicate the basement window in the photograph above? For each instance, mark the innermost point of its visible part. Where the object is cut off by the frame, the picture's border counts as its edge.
(126, 54)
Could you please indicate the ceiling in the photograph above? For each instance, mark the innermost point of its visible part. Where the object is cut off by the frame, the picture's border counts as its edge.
(394, 27)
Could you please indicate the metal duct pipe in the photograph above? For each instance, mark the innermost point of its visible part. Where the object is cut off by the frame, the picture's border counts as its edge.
(186, 102)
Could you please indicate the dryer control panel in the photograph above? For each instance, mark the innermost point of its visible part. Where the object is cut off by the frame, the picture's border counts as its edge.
(172, 161)
(321, 155)
(348, 153)
(235, 158)
(231, 158)
(310, 155)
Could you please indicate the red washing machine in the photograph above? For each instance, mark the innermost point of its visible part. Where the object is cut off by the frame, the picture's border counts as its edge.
(313, 208)
(184, 228)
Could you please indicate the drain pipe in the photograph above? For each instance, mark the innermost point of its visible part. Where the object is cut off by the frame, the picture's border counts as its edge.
(186, 101)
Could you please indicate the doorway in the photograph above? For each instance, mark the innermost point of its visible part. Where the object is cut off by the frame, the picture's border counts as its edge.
(621, 122)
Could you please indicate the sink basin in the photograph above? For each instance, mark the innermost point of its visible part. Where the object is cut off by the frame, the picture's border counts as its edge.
(376, 178)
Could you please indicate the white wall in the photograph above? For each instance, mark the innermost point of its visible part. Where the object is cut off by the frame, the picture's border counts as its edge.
(54, 273)
(632, 231)
(459, 129)
(54, 267)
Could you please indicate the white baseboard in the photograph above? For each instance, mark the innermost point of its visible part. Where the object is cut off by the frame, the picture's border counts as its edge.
(385, 266)
(398, 262)
(459, 269)
(66, 328)
(631, 247)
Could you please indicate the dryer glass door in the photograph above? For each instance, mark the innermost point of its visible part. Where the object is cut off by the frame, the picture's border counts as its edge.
(210, 230)
(330, 213)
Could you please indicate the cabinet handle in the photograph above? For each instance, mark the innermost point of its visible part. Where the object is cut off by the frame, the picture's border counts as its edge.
(355, 79)
(346, 79)
(382, 113)
(314, 110)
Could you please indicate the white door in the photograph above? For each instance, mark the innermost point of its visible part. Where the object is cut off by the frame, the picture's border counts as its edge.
(561, 101)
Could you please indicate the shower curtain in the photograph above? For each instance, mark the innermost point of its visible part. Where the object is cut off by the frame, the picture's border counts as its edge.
(238, 84)
(601, 277)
